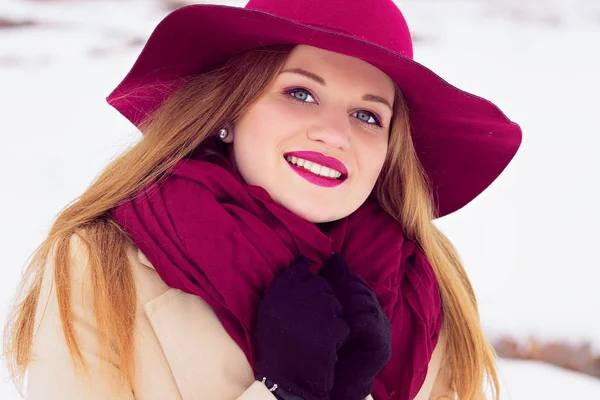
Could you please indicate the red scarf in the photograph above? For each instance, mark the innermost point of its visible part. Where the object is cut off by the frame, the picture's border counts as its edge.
(209, 234)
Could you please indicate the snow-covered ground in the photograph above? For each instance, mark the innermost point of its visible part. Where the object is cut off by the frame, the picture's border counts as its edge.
(529, 242)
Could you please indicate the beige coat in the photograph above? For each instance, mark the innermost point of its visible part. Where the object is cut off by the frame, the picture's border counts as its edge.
(182, 350)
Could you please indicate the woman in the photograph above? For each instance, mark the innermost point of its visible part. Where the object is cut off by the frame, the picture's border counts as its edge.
(271, 234)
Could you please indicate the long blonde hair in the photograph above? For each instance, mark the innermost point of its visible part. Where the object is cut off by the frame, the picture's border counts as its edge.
(189, 118)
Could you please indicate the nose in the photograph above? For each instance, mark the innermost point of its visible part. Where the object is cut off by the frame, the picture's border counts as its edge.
(332, 130)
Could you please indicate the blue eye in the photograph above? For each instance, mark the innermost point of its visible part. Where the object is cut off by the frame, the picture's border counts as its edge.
(301, 95)
(304, 96)
(367, 117)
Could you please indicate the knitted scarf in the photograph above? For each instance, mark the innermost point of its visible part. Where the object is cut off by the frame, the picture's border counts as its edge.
(209, 234)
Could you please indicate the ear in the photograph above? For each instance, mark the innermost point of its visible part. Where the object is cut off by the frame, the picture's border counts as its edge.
(229, 138)
(228, 131)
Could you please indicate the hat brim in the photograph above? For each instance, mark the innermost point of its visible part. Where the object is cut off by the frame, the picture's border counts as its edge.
(463, 141)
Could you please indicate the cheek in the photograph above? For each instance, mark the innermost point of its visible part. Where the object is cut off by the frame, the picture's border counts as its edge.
(260, 137)
(371, 159)
(268, 122)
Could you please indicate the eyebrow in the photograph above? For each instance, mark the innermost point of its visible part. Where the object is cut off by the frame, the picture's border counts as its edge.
(318, 79)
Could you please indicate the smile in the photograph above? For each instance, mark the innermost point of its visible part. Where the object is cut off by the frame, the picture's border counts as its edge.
(317, 168)
(313, 167)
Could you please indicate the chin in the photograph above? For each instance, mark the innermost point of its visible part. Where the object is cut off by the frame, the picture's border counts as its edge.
(316, 215)
(317, 211)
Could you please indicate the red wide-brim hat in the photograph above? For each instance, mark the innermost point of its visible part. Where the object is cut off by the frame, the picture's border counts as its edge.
(463, 141)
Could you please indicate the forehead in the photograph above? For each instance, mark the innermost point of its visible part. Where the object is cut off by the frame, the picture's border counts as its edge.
(339, 68)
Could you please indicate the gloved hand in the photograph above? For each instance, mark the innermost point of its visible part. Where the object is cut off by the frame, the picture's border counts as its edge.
(368, 348)
(297, 333)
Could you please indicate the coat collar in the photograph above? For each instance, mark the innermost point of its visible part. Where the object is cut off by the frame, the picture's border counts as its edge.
(205, 361)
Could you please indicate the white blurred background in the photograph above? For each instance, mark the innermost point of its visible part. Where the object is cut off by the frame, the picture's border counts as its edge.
(529, 242)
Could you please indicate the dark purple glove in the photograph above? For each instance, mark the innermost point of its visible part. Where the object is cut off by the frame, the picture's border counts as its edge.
(369, 346)
(297, 334)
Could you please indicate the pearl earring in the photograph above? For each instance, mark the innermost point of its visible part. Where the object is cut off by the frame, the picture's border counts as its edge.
(223, 133)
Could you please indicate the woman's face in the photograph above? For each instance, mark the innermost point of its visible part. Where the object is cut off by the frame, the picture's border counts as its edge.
(332, 114)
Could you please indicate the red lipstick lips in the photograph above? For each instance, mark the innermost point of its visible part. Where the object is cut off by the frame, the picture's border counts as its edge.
(320, 159)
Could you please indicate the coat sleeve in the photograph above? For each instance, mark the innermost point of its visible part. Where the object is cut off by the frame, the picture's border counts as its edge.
(51, 373)
(258, 391)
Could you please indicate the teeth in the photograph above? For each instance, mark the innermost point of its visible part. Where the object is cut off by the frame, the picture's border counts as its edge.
(314, 167)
